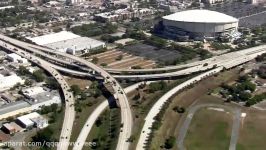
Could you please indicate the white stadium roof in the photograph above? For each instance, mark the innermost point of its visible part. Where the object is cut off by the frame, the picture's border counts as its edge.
(200, 15)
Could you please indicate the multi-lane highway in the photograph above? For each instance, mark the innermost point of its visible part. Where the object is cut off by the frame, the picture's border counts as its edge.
(214, 64)
(222, 60)
(156, 108)
(68, 96)
(244, 56)
(68, 59)
(126, 116)
(93, 117)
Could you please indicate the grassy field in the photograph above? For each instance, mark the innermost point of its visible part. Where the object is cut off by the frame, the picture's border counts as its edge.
(141, 107)
(209, 130)
(171, 119)
(106, 134)
(81, 117)
(253, 132)
(57, 125)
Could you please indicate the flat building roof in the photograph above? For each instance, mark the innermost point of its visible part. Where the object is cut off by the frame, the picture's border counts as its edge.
(77, 44)
(53, 37)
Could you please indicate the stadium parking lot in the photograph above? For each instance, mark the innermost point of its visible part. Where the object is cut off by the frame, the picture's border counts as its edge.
(253, 21)
(151, 52)
(238, 9)
(249, 15)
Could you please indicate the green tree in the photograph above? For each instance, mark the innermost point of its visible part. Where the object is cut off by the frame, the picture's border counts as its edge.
(28, 82)
(98, 122)
(131, 138)
(76, 90)
(54, 107)
(52, 84)
(95, 60)
(170, 142)
(23, 70)
(179, 109)
(244, 96)
(44, 135)
(120, 57)
(156, 86)
(38, 75)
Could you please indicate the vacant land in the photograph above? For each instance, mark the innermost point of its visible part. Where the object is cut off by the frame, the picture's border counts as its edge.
(152, 53)
(199, 92)
(121, 60)
(82, 83)
(253, 132)
(209, 130)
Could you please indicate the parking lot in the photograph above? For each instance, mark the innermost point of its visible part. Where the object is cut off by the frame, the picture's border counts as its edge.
(249, 15)
(253, 21)
(151, 52)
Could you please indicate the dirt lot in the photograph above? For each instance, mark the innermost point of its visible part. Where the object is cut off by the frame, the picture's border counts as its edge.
(126, 60)
(80, 82)
(209, 130)
(171, 119)
(253, 132)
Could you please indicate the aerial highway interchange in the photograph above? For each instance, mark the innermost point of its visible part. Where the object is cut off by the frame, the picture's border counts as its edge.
(47, 61)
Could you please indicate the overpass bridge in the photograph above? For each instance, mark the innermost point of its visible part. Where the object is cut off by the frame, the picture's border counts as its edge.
(69, 115)
(223, 61)
(67, 59)
(126, 116)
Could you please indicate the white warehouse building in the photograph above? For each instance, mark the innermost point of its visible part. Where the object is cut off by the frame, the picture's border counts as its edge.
(199, 24)
(7, 82)
(68, 42)
(77, 46)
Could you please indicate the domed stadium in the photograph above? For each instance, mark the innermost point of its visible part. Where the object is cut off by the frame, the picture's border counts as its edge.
(199, 24)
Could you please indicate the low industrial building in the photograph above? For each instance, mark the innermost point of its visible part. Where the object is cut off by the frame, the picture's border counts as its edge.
(32, 120)
(213, 1)
(6, 7)
(53, 37)
(13, 57)
(9, 81)
(31, 103)
(25, 122)
(74, 1)
(39, 121)
(77, 46)
(11, 128)
(39, 97)
(124, 14)
(68, 42)
(29, 92)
